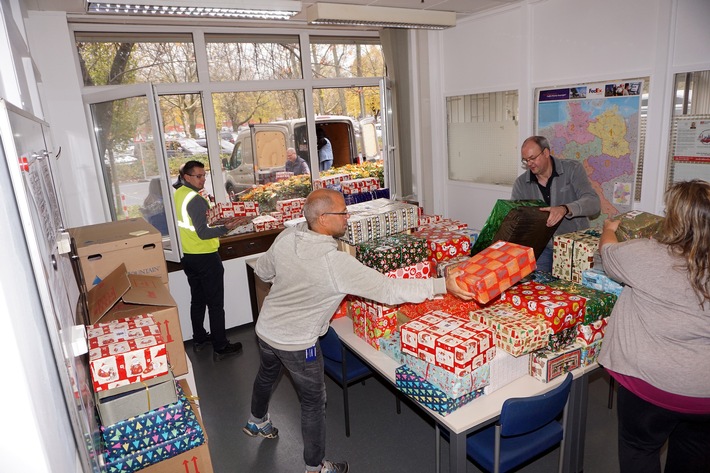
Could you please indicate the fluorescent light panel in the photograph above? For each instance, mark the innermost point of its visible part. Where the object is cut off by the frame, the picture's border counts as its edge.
(233, 9)
(368, 15)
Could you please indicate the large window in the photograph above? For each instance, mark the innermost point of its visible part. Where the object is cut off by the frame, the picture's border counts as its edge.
(237, 104)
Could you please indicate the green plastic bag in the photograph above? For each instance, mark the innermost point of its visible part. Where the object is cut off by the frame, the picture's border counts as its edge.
(500, 210)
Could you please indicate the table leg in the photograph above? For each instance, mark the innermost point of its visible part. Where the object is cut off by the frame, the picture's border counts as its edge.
(576, 426)
(457, 453)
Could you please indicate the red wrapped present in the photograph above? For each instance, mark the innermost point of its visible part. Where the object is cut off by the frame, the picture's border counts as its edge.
(452, 305)
(127, 361)
(283, 175)
(495, 269)
(561, 309)
(291, 208)
(265, 222)
(425, 220)
(421, 270)
(330, 182)
(515, 331)
(355, 186)
(444, 244)
(374, 320)
(590, 333)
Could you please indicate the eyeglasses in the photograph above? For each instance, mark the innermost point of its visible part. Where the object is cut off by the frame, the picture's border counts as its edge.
(198, 176)
(335, 213)
(526, 162)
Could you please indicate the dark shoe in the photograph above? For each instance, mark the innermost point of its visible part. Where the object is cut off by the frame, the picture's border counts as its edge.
(229, 350)
(199, 346)
(265, 429)
(334, 467)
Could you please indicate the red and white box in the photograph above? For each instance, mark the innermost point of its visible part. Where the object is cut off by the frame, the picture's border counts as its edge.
(422, 270)
(561, 309)
(330, 181)
(263, 223)
(291, 208)
(121, 334)
(355, 186)
(283, 175)
(493, 270)
(591, 333)
(127, 323)
(444, 244)
(425, 220)
(127, 361)
(373, 321)
(223, 212)
(278, 216)
(447, 224)
(515, 331)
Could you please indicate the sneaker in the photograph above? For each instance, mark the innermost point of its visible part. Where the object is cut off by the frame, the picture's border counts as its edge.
(334, 467)
(199, 346)
(264, 429)
(229, 350)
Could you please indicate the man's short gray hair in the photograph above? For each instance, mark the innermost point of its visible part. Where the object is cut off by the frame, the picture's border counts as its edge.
(317, 203)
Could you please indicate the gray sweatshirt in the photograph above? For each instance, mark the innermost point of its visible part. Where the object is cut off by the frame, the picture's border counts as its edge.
(311, 277)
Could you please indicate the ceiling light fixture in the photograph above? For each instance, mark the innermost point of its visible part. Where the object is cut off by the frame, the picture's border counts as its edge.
(232, 9)
(386, 17)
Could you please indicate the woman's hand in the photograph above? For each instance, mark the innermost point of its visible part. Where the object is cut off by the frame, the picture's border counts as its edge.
(453, 288)
(609, 233)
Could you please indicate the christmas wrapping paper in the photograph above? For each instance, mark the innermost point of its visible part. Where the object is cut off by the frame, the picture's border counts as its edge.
(429, 396)
(392, 347)
(505, 368)
(638, 224)
(425, 220)
(562, 338)
(392, 252)
(222, 212)
(590, 353)
(448, 303)
(514, 331)
(446, 381)
(498, 214)
(599, 304)
(121, 334)
(422, 270)
(547, 365)
(366, 196)
(448, 342)
(443, 224)
(374, 320)
(573, 253)
(265, 222)
(291, 208)
(343, 309)
(444, 244)
(378, 218)
(595, 279)
(355, 186)
(119, 325)
(330, 182)
(591, 333)
(539, 276)
(442, 266)
(283, 175)
(495, 269)
(561, 309)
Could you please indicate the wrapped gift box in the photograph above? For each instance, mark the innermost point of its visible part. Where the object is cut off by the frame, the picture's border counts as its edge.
(444, 224)
(599, 304)
(547, 365)
(446, 381)
(427, 395)
(127, 361)
(444, 244)
(355, 186)
(425, 220)
(514, 331)
(590, 353)
(222, 212)
(562, 338)
(358, 314)
(291, 208)
(448, 303)
(638, 224)
(392, 252)
(561, 309)
(283, 175)
(573, 253)
(119, 325)
(374, 321)
(265, 222)
(495, 219)
(278, 216)
(422, 270)
(121, 334)
(591, 333)
(366, 196)
(378, 218)
(330, 182)
(495, 269)
(392, 347)
(343, 309)
(448, 342)
(505, 368)
(539, 276)
(442, 267)
(596, 279)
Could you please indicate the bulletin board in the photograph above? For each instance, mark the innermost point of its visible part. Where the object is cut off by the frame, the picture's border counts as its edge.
(689, 150)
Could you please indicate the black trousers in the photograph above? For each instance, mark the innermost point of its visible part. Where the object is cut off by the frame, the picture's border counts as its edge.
(644, 429)
(205, 274)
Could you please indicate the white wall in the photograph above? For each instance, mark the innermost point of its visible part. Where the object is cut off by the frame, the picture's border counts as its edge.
(557, 42)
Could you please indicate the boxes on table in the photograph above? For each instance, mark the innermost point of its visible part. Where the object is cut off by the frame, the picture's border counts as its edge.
(596, 279)
(428, 395)
(392, 252)
(444, 244)
(121, 403)
(373, 321)
(590, 352)
(121, 362)
(638, 224)
(291, 208)
(591, 333)
(222, 212)
(134, 242)
(448, 303)
(351, 199)
(514, 331)
(448, 342)
(378, 218)
(573, 253)
(121, 295)
(263, 223)
(421, 270)
(444, 224)
(446, 381)
(547, 365)
(495, 269)
(561, 309)
(599, 303)
(330, 182)
(356, 186)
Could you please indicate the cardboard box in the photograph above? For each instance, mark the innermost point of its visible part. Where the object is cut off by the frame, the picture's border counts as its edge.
(103, 247)
(124, 402)
(121, 295)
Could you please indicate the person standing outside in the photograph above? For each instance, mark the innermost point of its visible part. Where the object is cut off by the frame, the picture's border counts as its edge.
(564, 186)
(201, 261)
(325, 150)
(657, 342)
(310, 278)
(296, 164)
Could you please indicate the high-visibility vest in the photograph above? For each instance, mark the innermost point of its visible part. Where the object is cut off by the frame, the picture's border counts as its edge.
(191, 242)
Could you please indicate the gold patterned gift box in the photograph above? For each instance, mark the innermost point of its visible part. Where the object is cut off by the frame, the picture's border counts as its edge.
(573, 253)
(638, 224)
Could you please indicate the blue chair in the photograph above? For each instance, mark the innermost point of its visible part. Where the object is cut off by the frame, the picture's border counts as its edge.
(527, 427)
(343, 367)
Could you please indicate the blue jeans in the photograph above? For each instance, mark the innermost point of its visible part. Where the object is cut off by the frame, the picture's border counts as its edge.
(645, 427)
(544, 262)
(309, 380)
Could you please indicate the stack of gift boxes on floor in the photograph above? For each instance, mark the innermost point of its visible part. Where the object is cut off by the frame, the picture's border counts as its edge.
(522, 322)
(146, 416)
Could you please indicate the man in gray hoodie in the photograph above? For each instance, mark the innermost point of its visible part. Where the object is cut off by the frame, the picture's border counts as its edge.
(310, 278)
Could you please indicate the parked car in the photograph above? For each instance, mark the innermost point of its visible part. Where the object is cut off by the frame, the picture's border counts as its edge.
(183, 146)
(225, 147)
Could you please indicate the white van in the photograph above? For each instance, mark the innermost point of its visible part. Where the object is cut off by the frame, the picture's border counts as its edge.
(260, 151)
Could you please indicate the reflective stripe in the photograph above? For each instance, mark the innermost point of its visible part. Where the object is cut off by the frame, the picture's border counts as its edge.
(185, 221)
